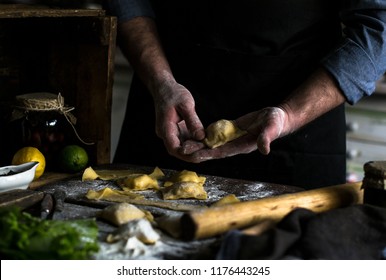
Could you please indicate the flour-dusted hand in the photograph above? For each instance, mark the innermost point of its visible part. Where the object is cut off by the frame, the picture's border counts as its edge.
(262, 128)
(176, 118)
(266, 125)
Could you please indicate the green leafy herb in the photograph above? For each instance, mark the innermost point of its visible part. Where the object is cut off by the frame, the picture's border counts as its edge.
(23, 236)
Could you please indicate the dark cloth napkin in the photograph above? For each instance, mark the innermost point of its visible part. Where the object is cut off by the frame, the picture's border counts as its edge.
(352, 233)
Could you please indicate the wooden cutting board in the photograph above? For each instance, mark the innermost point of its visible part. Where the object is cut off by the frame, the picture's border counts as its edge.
(20, 198)
(51, 177)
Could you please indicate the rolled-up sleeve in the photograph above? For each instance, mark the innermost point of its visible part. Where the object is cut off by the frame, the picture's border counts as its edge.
(360, 59)
(125, 10)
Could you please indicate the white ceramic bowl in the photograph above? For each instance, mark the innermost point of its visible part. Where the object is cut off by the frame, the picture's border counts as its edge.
(17, 176)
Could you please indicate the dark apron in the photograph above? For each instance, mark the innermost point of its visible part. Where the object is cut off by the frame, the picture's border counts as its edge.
(236, 57)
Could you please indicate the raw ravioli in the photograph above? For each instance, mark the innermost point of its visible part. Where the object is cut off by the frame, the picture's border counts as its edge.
(140, 182)
(185, 190)
(122, 213)
(222, 132)
(185, 176)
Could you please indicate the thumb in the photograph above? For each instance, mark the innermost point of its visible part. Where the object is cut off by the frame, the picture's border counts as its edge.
(264, 142)
(274, 129)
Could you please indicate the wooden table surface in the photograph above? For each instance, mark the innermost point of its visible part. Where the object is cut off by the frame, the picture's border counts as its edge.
(77, 206)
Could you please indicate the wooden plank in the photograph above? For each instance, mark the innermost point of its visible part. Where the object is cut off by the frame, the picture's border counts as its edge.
(95, 100)
(51, 177)
(29, 11)
(20, 198)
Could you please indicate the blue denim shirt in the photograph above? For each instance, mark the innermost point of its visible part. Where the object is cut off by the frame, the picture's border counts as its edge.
(356, 63)
(125, 10)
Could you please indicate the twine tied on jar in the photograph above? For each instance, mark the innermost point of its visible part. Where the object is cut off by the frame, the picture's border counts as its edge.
(44, 101)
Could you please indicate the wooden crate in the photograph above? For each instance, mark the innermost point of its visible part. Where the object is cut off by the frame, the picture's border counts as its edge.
(70, 51)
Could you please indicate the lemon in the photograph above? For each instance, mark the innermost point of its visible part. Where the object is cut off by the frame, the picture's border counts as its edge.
(73, 158)
(28, 154)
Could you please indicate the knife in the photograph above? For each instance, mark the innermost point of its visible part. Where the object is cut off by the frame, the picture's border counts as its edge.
(59, 197)
(46, 206)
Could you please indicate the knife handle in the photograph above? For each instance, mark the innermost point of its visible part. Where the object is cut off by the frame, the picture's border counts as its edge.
(59, 196)
(46, 206)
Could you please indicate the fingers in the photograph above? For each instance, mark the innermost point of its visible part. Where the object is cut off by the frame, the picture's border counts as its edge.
(195, 127)
(190, 146)
(243, 145)
(183, 131)
(171, 138)
(178, 140)
(192, 121)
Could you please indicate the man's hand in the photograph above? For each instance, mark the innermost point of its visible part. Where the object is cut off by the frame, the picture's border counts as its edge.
(263, 128)
(176, 118)
(266, 125)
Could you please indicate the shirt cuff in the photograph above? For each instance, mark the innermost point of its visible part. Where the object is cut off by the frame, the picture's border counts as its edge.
(125, 10)
(353, 70)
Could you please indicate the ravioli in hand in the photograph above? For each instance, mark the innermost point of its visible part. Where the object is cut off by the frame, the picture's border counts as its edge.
(222, 132)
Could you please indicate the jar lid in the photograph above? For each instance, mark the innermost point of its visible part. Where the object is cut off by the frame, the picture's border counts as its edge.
(375, 175)
(41, 101)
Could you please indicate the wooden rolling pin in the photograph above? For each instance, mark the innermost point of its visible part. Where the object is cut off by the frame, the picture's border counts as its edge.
(217, 220)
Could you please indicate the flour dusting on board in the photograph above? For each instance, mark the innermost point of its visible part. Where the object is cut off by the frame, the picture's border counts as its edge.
(165, 248)
(169, 246)
(217, 189)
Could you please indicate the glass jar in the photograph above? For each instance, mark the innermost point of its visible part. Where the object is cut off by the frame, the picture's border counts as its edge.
(45, 131)
(40, 120)
(374, 183)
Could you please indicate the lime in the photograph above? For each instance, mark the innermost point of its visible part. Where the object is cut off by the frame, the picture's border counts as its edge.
(73, 158)
(28, 154)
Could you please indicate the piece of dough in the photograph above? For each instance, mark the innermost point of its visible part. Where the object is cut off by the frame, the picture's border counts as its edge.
(141, 182)
(109, 194)
(185, 190)
(185, 176)
(222, 132)
(122, 213)
(138, 183)
(89, 174)
(229, 199)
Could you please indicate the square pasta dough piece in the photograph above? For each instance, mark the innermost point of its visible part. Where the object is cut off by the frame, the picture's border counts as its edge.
(185, 176)
(182, 190)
